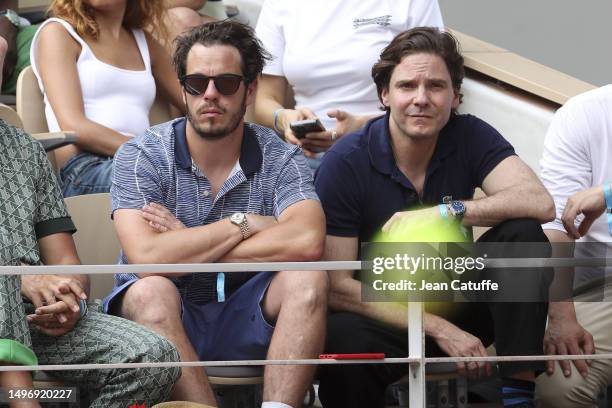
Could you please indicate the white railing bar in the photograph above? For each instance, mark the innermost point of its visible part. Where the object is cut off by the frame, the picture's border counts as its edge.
(179, 268)
(273, 266)
(235, 363)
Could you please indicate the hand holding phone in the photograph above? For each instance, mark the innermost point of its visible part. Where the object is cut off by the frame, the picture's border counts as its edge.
(301, 127)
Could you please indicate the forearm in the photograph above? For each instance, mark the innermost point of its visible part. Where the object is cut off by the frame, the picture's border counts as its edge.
(346, 297)
(264, 111)
(202, 244)
(286, 241)
(93, 137)
(514, 202)
(270, 97)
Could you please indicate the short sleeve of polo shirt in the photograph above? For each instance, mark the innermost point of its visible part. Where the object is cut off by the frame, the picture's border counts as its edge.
(270, 32)
(136, 180)
(339, 192)
(51, 216)
(294, 183)
(487, 148)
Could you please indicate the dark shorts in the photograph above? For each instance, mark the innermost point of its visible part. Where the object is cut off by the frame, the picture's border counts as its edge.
(232, 330)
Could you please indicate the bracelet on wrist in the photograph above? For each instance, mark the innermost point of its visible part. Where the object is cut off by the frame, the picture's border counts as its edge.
(275, 122)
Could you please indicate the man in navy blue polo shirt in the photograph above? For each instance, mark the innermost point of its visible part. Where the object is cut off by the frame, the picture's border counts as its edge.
(418, 153)
(210, 188)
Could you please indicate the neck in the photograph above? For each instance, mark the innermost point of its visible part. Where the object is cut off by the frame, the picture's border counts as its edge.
(412, 155)
(212, 155)
(110, 22)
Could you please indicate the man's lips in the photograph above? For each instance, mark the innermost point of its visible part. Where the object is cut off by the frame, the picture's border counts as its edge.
(210, 112)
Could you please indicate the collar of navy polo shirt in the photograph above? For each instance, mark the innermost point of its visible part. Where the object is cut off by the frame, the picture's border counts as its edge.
(250, 159)
(381, 152)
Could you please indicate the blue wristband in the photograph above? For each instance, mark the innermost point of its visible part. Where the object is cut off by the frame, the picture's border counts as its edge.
(220, 287)
(608, 197)
(443, 211)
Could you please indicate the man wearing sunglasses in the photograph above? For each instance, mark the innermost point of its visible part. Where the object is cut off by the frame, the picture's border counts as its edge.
(211, 188)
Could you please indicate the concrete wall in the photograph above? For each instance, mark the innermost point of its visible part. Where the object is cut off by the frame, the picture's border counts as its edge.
(574, 37)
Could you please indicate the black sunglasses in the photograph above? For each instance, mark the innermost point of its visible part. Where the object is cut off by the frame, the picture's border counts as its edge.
(226, 84)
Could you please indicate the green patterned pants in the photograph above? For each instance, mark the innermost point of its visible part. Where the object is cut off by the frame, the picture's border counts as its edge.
(97, 338)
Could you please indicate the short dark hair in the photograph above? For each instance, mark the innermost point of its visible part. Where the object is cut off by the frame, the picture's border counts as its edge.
(226, 32)
(429, 40)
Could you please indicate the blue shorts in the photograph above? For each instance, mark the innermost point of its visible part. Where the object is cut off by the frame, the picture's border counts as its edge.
(232, 330)
(86, 173)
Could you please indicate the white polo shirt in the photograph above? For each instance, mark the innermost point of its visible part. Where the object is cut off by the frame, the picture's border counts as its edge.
(326, 48)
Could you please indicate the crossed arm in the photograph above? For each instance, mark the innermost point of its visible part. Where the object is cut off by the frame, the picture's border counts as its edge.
(297, 235)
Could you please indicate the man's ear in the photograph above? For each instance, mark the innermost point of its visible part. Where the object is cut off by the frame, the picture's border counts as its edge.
(456, 99)
(251, 91)
(384, 96)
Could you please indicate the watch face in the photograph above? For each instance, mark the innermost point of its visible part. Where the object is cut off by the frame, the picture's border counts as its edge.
(458, 207)
(237, 218)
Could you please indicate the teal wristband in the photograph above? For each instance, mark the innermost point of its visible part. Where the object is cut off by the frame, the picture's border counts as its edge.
(220, 287)
(443, 211)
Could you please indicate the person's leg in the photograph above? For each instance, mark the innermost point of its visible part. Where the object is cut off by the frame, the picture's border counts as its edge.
(154, 302)
(296, 302)
(86, 173)
(14, 329)
(519, 326)
(360, 385)
(576, 391)
(99, 338)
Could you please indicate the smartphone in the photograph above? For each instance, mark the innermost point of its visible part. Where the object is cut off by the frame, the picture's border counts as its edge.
(353, 356)
(301, 127)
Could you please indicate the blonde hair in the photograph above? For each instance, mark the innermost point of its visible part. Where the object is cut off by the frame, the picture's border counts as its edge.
(144, 14)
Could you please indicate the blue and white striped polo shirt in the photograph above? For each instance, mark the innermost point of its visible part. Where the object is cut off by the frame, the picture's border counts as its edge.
(157, 167)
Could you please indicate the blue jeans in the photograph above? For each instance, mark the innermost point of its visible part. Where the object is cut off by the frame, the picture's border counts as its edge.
(86, 173)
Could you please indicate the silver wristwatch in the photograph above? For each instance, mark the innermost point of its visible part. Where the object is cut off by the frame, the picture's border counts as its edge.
(240, 219)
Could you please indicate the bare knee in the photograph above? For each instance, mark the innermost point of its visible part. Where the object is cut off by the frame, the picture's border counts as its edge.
(307, 290)
(152, 301)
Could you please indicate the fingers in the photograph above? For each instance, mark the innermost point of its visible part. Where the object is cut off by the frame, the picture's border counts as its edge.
(318, 138)
(569, 217)
(71, 301)
(56, 308)
(588, 345)
(551, 350)
(305, 113)
(290, 137)
(157, 226)
(48, 296)
(566, 366)
(337, 114)
(585, 225)
(36, 300)
(69, 289)
(580, 365)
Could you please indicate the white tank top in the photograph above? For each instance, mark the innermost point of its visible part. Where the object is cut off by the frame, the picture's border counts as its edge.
(117, 98)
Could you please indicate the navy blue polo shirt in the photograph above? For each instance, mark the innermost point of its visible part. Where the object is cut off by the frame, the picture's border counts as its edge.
(361, 187)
